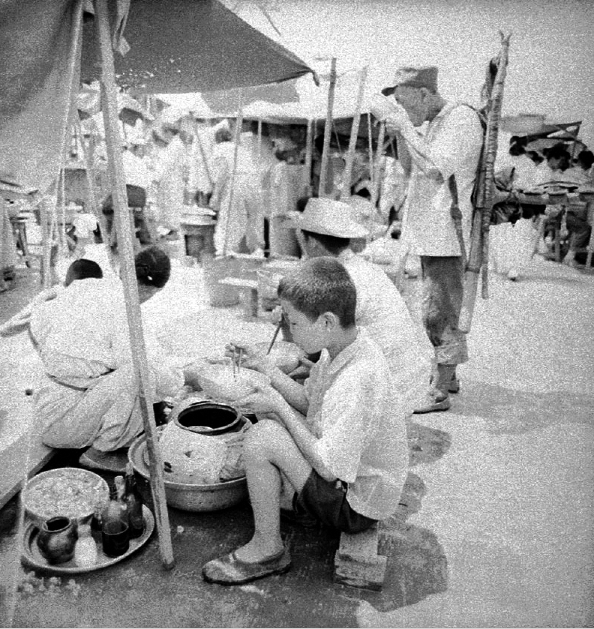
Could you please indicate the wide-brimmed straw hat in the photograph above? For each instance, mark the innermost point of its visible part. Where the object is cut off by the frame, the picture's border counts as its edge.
(331, 218)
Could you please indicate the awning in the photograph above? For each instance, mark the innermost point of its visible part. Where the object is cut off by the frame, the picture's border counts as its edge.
(179, 46)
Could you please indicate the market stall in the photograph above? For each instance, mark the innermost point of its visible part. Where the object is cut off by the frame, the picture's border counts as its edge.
(222, 29)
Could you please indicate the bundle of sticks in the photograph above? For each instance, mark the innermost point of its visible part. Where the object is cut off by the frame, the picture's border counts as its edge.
(478, 258)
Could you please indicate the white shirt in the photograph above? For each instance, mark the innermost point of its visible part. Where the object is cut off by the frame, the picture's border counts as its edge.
(83, 334)
(135, 170)
(384, 314)
(454, 138)
(361, 427)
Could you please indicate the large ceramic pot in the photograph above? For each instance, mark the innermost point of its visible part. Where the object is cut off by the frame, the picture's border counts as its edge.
(57, 538)
(207, 418)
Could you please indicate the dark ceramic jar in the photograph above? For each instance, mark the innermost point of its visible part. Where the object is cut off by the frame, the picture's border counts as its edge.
(57, 539)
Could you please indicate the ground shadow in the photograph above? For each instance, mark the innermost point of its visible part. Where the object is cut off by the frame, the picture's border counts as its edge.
(512, 411)
(426, 444)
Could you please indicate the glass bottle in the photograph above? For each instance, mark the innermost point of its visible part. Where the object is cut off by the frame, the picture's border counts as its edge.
(114, 522)
(85, 550)
(96, 522)
(134, 503)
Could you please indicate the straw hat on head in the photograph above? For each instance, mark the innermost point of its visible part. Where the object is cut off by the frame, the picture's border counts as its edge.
(331, 218)
(409, 76)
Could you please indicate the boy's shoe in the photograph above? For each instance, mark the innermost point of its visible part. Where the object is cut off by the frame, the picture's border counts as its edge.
(114, 462)
(436, 401)
(229, 570)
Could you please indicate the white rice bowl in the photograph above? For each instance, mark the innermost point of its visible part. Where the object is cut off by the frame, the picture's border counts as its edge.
(220, 383)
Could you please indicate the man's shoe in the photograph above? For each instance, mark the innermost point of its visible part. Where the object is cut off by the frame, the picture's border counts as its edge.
(454, 385)
(435, 402)
(229, 570)
(114, 462)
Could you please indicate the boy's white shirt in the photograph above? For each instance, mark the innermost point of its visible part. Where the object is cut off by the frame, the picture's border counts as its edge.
(360, 424)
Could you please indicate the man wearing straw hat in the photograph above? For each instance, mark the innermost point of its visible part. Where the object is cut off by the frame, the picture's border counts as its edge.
(328, 227)
(442, 163)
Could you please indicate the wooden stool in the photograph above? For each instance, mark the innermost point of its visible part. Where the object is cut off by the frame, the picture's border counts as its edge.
(250, 287)
(357, 562)
(19, 229)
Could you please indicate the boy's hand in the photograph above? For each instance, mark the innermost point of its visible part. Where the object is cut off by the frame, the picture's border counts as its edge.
(302, 370)
(265, 399)
(251, 357)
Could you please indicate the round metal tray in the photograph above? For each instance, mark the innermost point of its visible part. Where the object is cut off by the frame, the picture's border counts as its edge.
(32, 558)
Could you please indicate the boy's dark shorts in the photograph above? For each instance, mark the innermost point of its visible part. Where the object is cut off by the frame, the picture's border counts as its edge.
(326, 501)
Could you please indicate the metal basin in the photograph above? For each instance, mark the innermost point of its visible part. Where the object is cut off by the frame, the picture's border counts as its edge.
(187, 496)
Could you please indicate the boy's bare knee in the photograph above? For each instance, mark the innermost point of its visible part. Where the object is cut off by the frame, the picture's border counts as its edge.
(261, 436)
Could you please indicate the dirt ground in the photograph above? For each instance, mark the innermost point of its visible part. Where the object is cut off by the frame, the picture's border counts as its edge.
(498, 528)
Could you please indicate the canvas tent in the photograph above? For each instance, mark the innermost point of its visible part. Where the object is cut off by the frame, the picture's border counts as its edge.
(40, 76)
(175, 46)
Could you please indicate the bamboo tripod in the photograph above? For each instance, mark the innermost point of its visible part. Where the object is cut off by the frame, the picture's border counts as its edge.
(124, 230)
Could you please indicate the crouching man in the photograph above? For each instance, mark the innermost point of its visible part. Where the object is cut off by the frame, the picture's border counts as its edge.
(339, 439)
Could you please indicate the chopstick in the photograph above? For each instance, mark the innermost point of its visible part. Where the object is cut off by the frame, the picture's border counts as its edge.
(234, 364)
(278, 327)
(239, 360)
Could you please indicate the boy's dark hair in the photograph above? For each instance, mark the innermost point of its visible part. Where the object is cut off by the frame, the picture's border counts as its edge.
(333, 244)
(82, 269)
(321, 285)
(153, 267)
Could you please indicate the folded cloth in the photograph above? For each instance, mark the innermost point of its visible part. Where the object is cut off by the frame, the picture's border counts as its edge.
(105, 461)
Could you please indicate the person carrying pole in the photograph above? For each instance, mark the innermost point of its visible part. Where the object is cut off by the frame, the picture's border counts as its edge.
(443, 166)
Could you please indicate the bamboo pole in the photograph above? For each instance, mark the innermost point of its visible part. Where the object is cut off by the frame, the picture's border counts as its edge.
(308, 158)
(259, 138)
(350, 158)
(125, 248)
(237, 140)
(482, 213)
(89, 171)
(370, 149)
(322, 188)
(377, 167)
(590, 214)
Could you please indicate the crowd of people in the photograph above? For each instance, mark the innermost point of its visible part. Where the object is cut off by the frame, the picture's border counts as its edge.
(532, 226)
(336, 439)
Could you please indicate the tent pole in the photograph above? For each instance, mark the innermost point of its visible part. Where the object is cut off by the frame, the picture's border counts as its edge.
(88, 158)
(308, 158)
(350, 158)
(259, 138)
(237, 140)
(377, 167)
(322, 188)
(124, 230)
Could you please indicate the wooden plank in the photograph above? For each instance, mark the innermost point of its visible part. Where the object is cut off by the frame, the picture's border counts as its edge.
(16, 464)
(357, 562)
(238, 281)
